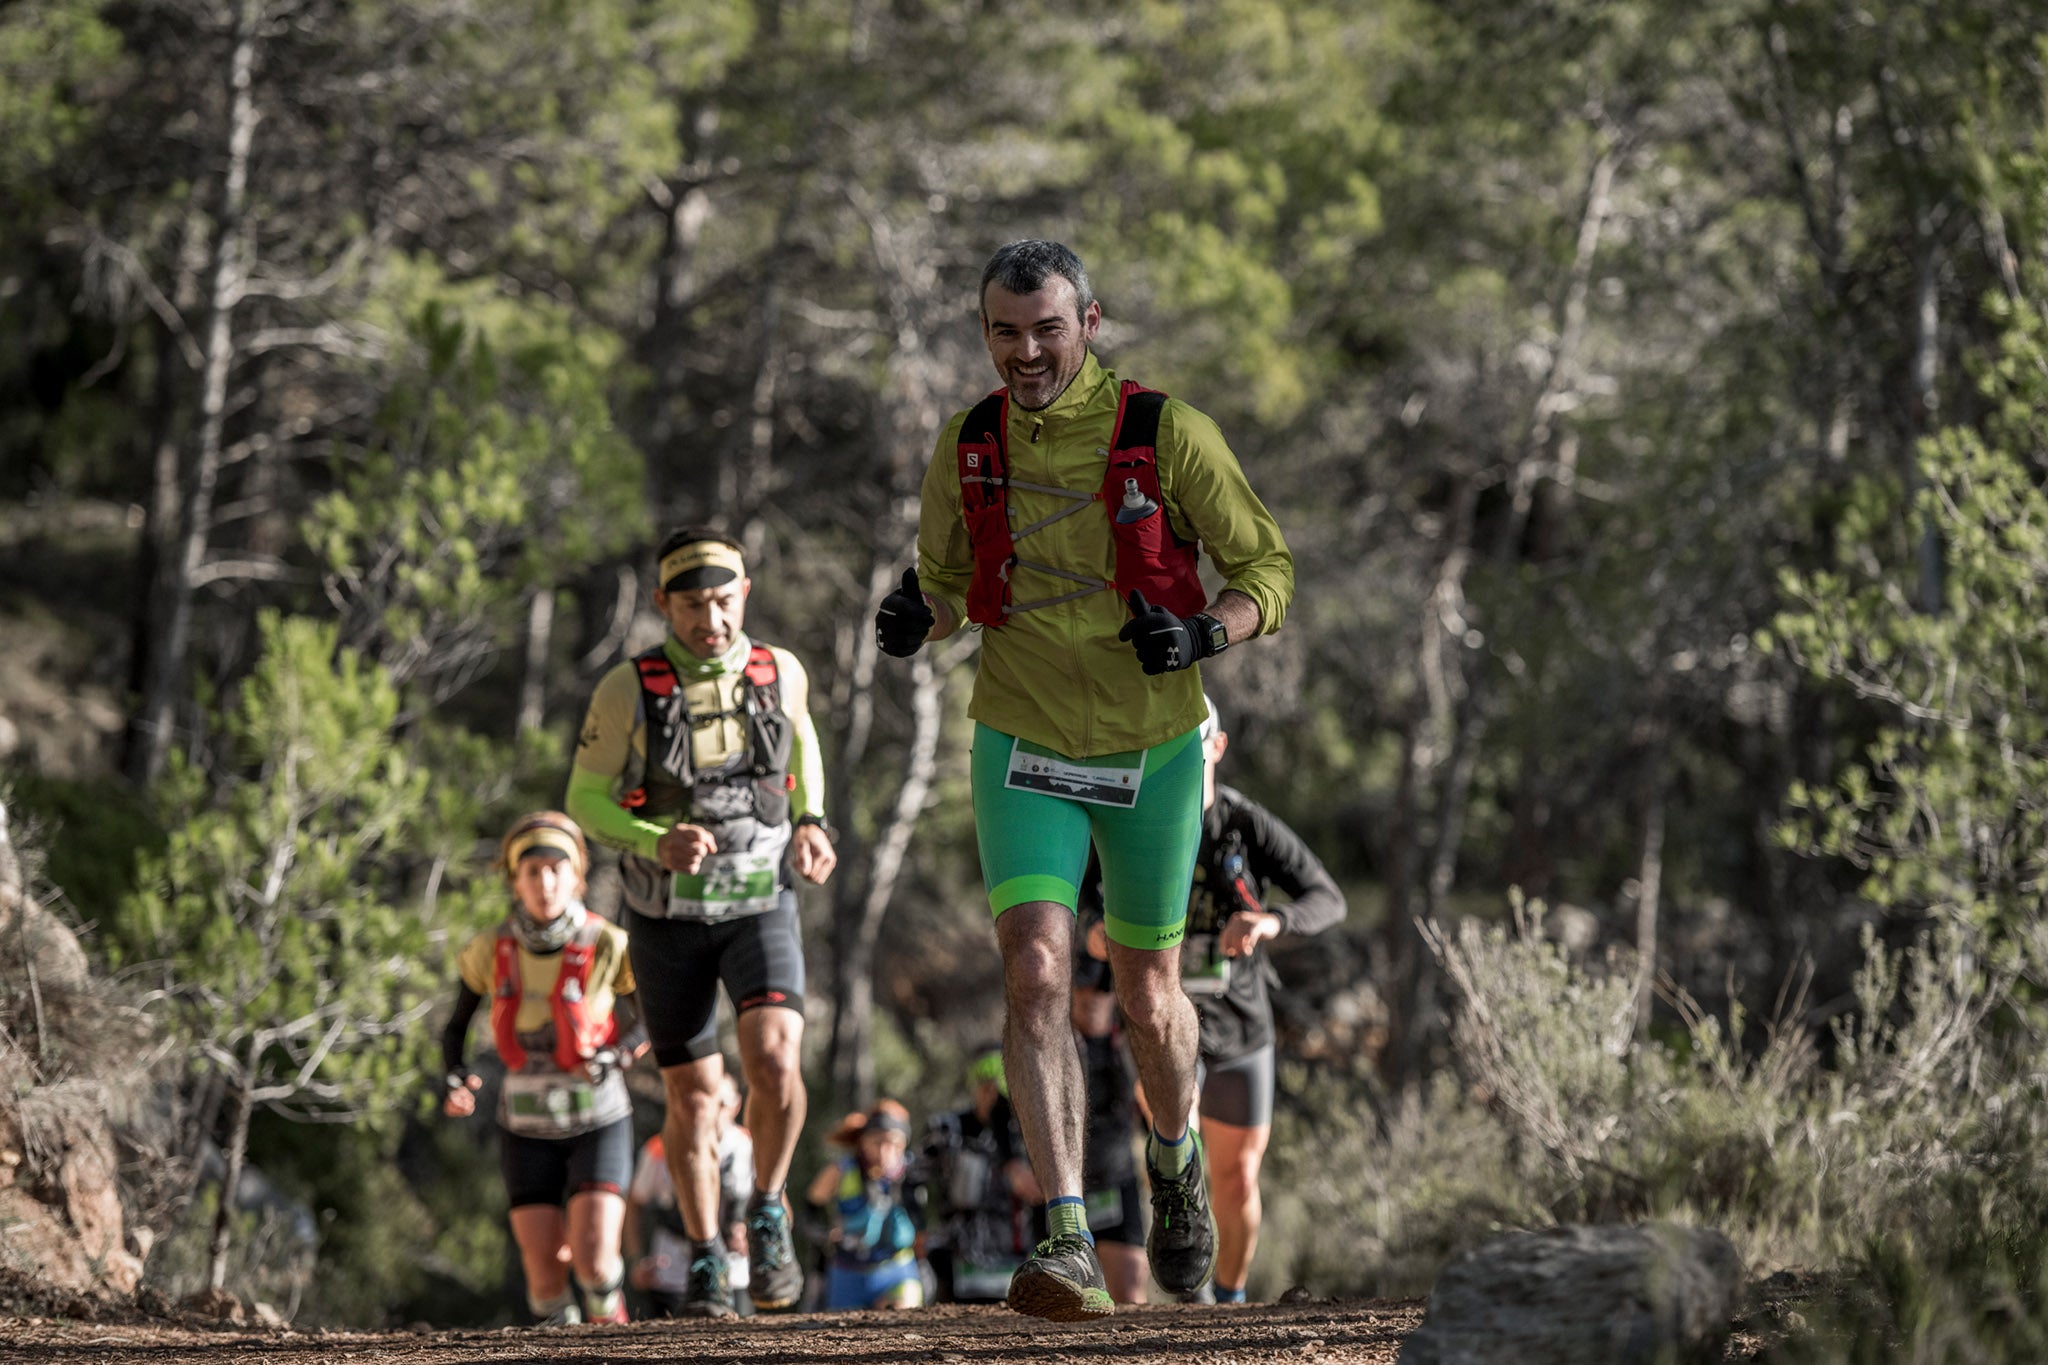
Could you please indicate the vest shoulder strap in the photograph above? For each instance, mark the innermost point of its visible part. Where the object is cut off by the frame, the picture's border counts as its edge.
(657, 674)
(1137, 418)
(984, 424)
(983, 450)
(505, 979)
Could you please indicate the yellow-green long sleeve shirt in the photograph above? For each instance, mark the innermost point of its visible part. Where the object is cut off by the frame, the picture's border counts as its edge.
(1058, 675)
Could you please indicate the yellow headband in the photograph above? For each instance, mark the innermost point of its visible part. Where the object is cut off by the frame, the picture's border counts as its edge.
(543, 836)
(708, 563)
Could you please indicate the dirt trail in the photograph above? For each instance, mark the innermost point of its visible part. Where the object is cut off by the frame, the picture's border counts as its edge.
(1325, 1332)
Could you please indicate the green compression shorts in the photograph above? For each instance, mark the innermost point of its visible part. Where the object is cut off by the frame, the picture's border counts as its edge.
(1033, 821)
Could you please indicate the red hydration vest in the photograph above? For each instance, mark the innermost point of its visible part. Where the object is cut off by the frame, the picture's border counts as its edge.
(1150, 558)
(579, 1033)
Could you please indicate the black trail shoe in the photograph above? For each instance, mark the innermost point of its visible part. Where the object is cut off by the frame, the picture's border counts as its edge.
(1062, 1282)
(1182, 1243)
(709, 1294)
(777, 1280)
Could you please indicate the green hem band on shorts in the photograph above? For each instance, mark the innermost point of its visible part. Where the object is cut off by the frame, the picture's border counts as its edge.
(1035, 886)
(1151, 937)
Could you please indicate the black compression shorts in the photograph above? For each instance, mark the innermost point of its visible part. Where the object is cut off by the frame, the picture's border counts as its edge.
(679, 963)
(1239, 1091)
(551, 1170)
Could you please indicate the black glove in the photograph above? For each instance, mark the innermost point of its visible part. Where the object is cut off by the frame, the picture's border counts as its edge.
(1164, 642)
(904, 619)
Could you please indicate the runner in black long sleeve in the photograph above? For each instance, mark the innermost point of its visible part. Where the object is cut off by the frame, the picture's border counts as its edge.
(1246, 851)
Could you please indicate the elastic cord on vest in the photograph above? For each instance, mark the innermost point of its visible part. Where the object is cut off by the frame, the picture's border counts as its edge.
(1150, 557)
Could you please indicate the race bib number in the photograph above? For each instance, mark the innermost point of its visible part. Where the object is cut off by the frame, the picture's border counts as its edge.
(1112, 780)
(728, 885)
(539, 1104)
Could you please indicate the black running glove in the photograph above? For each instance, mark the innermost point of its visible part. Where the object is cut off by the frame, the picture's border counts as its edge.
(904, 619)
(1164, 642)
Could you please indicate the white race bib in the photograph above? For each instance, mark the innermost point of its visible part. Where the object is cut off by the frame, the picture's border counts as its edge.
(1112, 780)
(729, 885)
(545, 1103)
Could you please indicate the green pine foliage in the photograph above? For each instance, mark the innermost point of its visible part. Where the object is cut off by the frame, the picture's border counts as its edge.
(494, 471)
(271, 918)
(1944, 809)
(275, 928)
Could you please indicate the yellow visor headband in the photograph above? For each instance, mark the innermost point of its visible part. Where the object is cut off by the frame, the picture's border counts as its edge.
(700, 564)
(547, 837)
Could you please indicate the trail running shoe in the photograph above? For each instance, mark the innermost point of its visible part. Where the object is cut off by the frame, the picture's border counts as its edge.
(606, 1304)
(568, 1315)
(1182, 1243)
(776, 1281)
(709, 1293)
(1061, 1282)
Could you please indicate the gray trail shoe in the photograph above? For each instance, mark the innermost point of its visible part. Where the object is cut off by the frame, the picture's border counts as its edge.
(1061, 1282)
(1182, 1242)
(709, 1293)
(777, 1281)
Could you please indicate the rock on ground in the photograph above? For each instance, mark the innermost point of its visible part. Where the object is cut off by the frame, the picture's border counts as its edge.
(1567, 1296)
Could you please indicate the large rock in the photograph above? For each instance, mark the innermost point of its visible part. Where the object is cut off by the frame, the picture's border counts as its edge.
(60, 1204)
(1656, 1292)
(31, 933)
(64, 1223)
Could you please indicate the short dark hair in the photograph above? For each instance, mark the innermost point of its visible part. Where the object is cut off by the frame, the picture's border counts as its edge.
(1024, 267)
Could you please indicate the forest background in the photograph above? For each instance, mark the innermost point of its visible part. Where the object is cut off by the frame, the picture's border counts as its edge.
(1652, 397)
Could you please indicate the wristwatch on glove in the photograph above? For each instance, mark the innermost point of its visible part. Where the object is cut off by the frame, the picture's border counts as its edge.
(1210, 636)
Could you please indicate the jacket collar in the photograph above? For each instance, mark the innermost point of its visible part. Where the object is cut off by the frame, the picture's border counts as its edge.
(1077, 397)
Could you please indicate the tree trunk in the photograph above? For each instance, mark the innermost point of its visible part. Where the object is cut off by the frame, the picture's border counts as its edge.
(853, 1009)
(227, 273)
(1649, 887)
(1460, 698)
(1409, 970)
(746, 481)
(533, 688)
(1926, 403)
(158, 553)
(232, 1155)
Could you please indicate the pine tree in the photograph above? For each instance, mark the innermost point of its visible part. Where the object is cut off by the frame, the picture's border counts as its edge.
(287, 961)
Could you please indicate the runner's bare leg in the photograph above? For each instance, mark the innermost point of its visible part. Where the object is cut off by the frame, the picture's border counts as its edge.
(1040, 1062)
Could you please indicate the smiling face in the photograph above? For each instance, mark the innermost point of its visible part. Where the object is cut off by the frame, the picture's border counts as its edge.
(1038, 341)
(706, 620)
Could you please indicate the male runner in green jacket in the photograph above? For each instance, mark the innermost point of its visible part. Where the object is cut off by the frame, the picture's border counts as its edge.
(1063, 514)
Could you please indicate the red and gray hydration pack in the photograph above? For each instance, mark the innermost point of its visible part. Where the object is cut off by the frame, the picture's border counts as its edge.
(578, 1032)
(1150, 557)
(672, 786)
